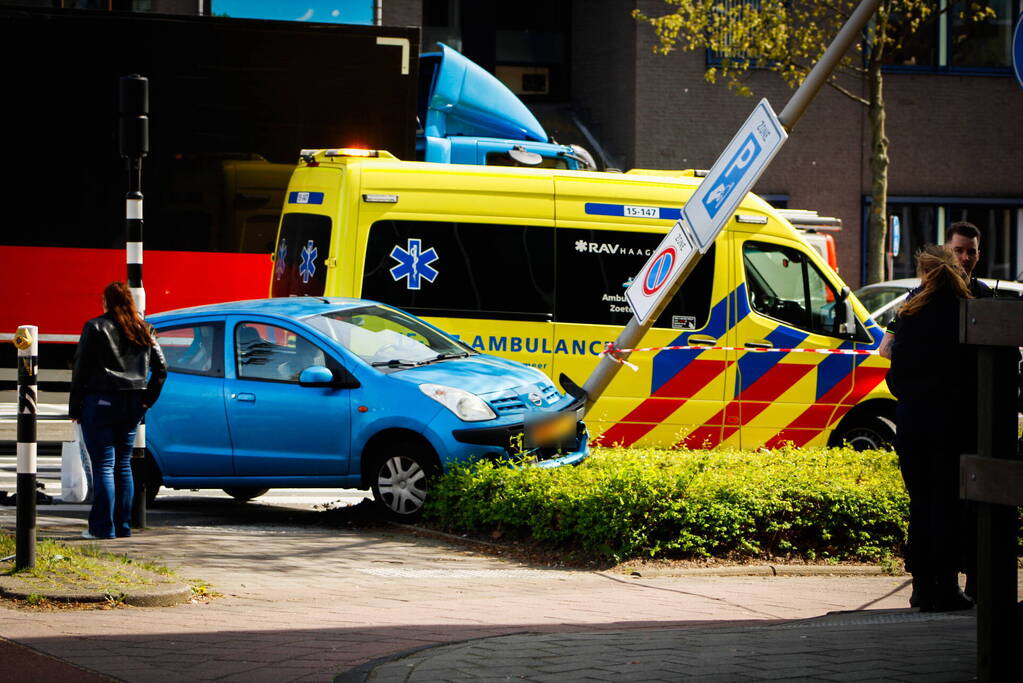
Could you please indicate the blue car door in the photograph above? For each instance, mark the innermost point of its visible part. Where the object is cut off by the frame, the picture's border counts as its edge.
(187, 428)
(279, 428)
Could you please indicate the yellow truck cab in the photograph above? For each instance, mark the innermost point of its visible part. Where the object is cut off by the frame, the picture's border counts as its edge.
(532, 264)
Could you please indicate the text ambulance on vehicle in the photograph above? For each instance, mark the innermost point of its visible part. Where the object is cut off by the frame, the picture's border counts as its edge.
(532, 264)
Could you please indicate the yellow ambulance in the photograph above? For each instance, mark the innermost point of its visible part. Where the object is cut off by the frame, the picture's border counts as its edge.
(532, 264)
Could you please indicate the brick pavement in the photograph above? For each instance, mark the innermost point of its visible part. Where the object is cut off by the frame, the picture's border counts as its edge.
(309, 604)
(894, 645)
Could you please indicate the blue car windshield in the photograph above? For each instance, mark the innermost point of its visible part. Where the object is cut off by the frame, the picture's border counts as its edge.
(385, 337)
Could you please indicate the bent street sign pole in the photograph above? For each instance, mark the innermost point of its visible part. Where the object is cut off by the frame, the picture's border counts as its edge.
(734, 173)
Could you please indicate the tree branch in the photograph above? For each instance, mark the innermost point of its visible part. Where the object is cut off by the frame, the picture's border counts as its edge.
(848, 93)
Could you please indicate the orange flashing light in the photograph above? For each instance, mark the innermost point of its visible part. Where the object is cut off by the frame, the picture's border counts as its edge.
(351, 152)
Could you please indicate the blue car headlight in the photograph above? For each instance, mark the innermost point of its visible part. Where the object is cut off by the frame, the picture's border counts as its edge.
(465, 405)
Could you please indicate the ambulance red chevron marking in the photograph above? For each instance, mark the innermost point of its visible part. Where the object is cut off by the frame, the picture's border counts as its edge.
(750, 403)
(662, 403)
(801, 430)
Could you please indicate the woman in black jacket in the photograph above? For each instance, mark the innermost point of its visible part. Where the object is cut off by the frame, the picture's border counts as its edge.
(118, 373)
(933, 376)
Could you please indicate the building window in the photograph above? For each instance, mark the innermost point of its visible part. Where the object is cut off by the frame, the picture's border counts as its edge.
(924, 220)
(947, 41)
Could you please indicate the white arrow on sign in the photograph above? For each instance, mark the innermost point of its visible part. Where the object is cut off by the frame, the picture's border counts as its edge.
(734, 174)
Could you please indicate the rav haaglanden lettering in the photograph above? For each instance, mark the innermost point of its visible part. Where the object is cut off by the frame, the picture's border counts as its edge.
(608, 248)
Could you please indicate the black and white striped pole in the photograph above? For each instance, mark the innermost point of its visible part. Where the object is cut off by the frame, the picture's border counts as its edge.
(134, 142)
(27, 341)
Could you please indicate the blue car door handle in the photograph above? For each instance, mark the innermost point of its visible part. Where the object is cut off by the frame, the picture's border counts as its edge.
(244, 397)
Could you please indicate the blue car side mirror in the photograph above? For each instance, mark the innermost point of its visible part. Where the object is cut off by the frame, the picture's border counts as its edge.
(319, 376)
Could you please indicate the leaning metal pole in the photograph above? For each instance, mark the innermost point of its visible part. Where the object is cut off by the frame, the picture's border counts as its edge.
(608, 366)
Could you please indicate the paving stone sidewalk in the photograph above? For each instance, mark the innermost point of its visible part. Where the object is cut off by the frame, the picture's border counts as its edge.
(310, 604)
(894, 645)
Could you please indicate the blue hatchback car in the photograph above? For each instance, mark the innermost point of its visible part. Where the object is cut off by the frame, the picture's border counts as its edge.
(348, 393)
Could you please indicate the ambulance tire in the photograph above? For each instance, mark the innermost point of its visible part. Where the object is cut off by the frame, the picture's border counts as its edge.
(401, 477)
(866, 432)
(244, 494)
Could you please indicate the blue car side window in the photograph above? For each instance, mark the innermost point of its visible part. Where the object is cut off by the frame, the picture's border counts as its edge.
(269, 352)
(194, 349)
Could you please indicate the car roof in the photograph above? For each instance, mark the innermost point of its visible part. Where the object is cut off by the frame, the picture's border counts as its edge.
(904, 283)
(913, 282)
(290, 307)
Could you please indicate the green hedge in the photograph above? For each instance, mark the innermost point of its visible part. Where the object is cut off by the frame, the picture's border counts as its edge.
(628, 503)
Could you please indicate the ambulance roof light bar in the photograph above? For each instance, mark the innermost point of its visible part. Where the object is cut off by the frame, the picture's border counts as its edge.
(309, 155)
(805, 218)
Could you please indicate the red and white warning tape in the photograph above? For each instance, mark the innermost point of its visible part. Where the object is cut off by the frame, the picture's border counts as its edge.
(612, 352)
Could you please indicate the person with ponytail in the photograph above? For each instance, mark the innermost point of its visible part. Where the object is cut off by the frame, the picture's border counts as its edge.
(118, 373)
(931, 374)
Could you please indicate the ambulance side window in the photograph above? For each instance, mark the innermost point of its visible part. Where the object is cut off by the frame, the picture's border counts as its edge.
(782, 283)
(596, 266)
(479, 270)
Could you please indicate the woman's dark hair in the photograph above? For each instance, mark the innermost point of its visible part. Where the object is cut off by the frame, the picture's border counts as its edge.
(121, 305)
(938, 270)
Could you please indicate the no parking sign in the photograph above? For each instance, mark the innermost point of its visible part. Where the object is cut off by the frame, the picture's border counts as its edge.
(655, 279)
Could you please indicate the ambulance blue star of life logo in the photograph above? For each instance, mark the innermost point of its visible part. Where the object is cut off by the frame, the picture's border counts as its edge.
(414, 263)
(282, 253)
(308, 266)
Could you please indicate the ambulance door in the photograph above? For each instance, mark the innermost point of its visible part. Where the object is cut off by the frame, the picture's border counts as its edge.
(606, 231)
(785, 390)
(470, 249)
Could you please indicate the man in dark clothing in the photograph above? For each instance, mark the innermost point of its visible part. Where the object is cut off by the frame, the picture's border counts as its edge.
(963, 240)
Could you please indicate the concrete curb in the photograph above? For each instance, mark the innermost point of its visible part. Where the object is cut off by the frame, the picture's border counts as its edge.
(161, 593)
(652, 572)
(165, 596)
(754, 570)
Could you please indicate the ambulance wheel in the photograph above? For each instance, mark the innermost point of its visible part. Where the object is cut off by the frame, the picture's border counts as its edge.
(866, 432)
(244, 494)
(401, 480)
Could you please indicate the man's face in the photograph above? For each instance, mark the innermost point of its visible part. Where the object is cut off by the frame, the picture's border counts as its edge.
(966, 250)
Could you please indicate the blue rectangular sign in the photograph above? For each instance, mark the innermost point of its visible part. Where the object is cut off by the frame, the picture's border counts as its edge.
(664, 213)
(305, 198)
(737, 166)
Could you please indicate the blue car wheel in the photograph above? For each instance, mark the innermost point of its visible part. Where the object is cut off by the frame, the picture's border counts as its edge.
(401, 481)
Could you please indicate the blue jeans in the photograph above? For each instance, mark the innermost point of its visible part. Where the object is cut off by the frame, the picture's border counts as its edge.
(109, 422)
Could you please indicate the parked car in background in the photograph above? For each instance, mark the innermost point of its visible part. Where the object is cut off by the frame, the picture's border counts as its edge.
(883, 299)
(347, 393)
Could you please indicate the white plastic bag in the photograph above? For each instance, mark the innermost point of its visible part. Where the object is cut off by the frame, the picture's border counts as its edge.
(75, 470)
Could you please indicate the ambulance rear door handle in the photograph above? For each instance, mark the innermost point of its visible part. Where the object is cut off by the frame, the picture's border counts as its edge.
(759, 345)
(702, 341)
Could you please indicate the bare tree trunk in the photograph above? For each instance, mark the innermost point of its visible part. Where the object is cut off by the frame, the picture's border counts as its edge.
(877, 225)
